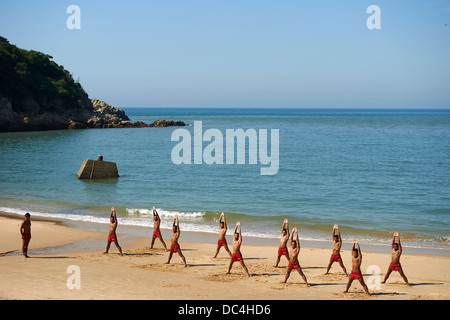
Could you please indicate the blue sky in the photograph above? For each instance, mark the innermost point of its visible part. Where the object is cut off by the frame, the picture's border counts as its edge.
(246, 53)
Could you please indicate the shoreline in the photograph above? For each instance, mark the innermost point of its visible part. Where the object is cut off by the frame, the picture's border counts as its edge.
(207, 237)
(142, 273)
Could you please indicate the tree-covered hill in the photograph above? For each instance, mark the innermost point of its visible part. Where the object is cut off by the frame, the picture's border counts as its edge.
(38, 94)
(27, 75)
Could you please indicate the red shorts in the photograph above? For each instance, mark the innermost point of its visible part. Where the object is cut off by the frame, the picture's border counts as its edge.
(26, 236)
(112, 238)
(236, 257)
(335, 257)
(156, 234)
(355, 275)
(222, 242)
(395, 267)
(293, 265)
(174, 248)
(282, 251)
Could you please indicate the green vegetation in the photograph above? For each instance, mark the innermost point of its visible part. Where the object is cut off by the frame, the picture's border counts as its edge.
(31, 74)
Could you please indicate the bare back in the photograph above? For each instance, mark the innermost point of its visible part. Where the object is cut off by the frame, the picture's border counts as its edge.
(26, 226)
(112, 228)
(337, 247)
(174, 238)
(156, 223)
(222, 233)
(356, 263)
(283, 241)
(237, 246)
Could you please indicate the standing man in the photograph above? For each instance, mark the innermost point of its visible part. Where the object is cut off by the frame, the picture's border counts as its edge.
(395, 260)
(112, 237)
(156, 231)
(283, 250)
(293, 261)
(356, 268)
(174, 245)
(222, 242)
(336, 255)
(237, 255)
(25, 231)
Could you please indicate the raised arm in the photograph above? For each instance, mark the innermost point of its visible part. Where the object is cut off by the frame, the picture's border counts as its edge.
(399, 244)
(113, 214)
(359, 250)
(294, 231)
(393, 241)
(222, 218)
(285, 226)
(339, 235)
(177, 224)
(240, 232)
(296, 238)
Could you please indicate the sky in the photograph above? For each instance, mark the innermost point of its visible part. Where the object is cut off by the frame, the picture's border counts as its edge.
(244, 53)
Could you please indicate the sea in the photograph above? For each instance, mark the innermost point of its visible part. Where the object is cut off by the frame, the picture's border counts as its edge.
(370, 171)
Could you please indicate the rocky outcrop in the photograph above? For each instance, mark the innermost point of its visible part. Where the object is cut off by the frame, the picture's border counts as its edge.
(106, 116)
(95, 114)
(167, 123)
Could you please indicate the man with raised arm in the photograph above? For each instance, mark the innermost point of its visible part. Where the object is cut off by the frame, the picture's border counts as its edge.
(293, 261)
(395, 260)
(222, 242)
(156, 231)
(25, 231)
(237, 255)
(337, 244)
(355, 274)
(174, 245)
(283, 250)
(112, 237)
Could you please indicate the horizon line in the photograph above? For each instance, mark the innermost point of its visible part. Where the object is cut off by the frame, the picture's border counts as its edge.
(306, 108)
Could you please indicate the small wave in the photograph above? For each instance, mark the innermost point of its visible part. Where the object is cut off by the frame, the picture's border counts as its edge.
(165, 213)
(67, 216)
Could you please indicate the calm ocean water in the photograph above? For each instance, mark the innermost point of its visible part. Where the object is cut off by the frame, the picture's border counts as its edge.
(370, 171)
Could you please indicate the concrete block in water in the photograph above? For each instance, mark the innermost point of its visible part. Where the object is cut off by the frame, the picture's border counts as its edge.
(97, 169)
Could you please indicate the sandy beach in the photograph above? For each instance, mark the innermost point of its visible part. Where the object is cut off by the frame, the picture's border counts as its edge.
(142, 273)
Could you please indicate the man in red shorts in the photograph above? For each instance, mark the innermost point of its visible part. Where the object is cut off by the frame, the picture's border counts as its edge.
(395, 261)
(112, 237)
(174, 245)
(282, 249)
(293, 261)
(336, 255)
(356, 268)
(222, 242)
(25, 231)
(237, 256)
(156, 231)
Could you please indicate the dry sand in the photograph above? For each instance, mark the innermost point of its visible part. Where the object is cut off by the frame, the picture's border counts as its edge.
(142, 273)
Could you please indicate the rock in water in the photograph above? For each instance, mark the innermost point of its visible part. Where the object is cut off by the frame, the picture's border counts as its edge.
(167, 123)
(97, 169)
